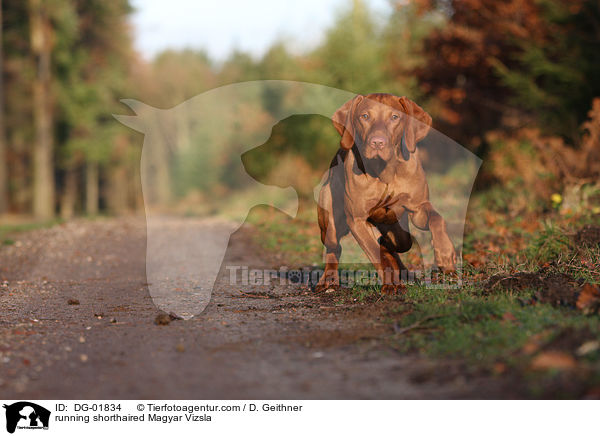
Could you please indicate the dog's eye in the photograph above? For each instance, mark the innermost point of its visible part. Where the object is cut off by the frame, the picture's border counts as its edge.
(365, 116)
(395, 117)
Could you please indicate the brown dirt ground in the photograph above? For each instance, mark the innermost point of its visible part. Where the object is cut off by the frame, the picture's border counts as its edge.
(293, 346)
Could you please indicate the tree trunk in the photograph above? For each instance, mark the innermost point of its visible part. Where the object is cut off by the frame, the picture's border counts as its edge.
(69, 197)
(20, 173)
(91, 188)
(3, 147)
(43, 164)
(116, 198)
(136, 187)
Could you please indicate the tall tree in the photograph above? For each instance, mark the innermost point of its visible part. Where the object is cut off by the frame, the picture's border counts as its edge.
(513, 62)
(558, 75)
(92, 57)
(43, 158)
(403, 39)
(352, 55)
(3, 147)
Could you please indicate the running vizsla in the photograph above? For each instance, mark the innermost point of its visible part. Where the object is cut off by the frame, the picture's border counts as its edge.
(376, 180)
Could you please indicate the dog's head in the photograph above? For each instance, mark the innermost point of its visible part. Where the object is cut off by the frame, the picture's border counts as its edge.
(382, 126)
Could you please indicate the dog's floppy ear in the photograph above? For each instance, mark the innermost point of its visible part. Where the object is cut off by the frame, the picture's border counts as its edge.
(418, 123)
(343, 121)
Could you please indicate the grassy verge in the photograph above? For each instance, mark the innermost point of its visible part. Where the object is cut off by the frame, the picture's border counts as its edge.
(543, 345)
(297, 240)
(7, 230)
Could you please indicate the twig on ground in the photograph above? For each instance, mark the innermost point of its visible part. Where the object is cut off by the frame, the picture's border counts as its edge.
(253, 295)
(415, 325)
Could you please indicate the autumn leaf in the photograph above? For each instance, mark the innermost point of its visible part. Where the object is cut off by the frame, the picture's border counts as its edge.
(509, 317)
(553, 360)
(535, 342)
(589, 299)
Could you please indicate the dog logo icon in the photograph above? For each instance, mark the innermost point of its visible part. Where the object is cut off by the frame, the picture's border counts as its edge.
(26, 415)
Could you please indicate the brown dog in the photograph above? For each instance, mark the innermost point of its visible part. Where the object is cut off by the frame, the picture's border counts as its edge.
(376, 180)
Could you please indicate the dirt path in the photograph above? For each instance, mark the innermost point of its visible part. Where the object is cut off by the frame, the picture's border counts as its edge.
(107, 346)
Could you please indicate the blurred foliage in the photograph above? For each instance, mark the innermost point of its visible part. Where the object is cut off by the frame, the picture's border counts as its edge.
(513, 81)
(512, 63)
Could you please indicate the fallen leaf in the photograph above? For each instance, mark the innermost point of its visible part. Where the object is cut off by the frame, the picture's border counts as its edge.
(553, 360)
(508, 317)
(499, 368)
(587, 348)
(473, 258)
(589, 299)
(535, 342)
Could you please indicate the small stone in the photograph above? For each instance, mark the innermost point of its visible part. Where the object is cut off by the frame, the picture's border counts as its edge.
(72, 302)
(81, 339)
(180, 348)
(83, 357)
(162, 319)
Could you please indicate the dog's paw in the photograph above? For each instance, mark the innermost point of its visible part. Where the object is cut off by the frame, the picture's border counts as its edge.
(327, 283)
(319, 289)
(393, 289)
(446, 262)
(445, 256)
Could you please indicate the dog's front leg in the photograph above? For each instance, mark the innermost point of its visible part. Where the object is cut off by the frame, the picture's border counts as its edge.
(331, 240)
(384, 262)
(425, 217)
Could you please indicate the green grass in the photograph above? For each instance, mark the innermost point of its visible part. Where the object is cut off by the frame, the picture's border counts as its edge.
(10, 229)
(479, 328)
(549, 245)
(484, 330)
(298, 239)
(363, 293)
(555, 246)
